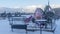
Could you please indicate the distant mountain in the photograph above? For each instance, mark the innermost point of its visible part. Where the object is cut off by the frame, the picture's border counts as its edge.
(4, 9)
(57, 11)
(25, 10)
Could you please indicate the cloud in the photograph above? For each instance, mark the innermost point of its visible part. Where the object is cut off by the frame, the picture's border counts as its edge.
(31, 8)
(34, 6)
(55, 6)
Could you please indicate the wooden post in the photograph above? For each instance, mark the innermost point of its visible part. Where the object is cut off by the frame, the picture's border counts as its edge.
(40, 29)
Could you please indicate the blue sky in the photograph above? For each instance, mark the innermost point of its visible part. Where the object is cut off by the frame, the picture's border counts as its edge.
(22, 3)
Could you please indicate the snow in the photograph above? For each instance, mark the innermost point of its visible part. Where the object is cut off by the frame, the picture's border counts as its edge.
(5, 29)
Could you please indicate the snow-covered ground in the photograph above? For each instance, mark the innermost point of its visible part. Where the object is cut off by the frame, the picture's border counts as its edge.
(5, 29)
